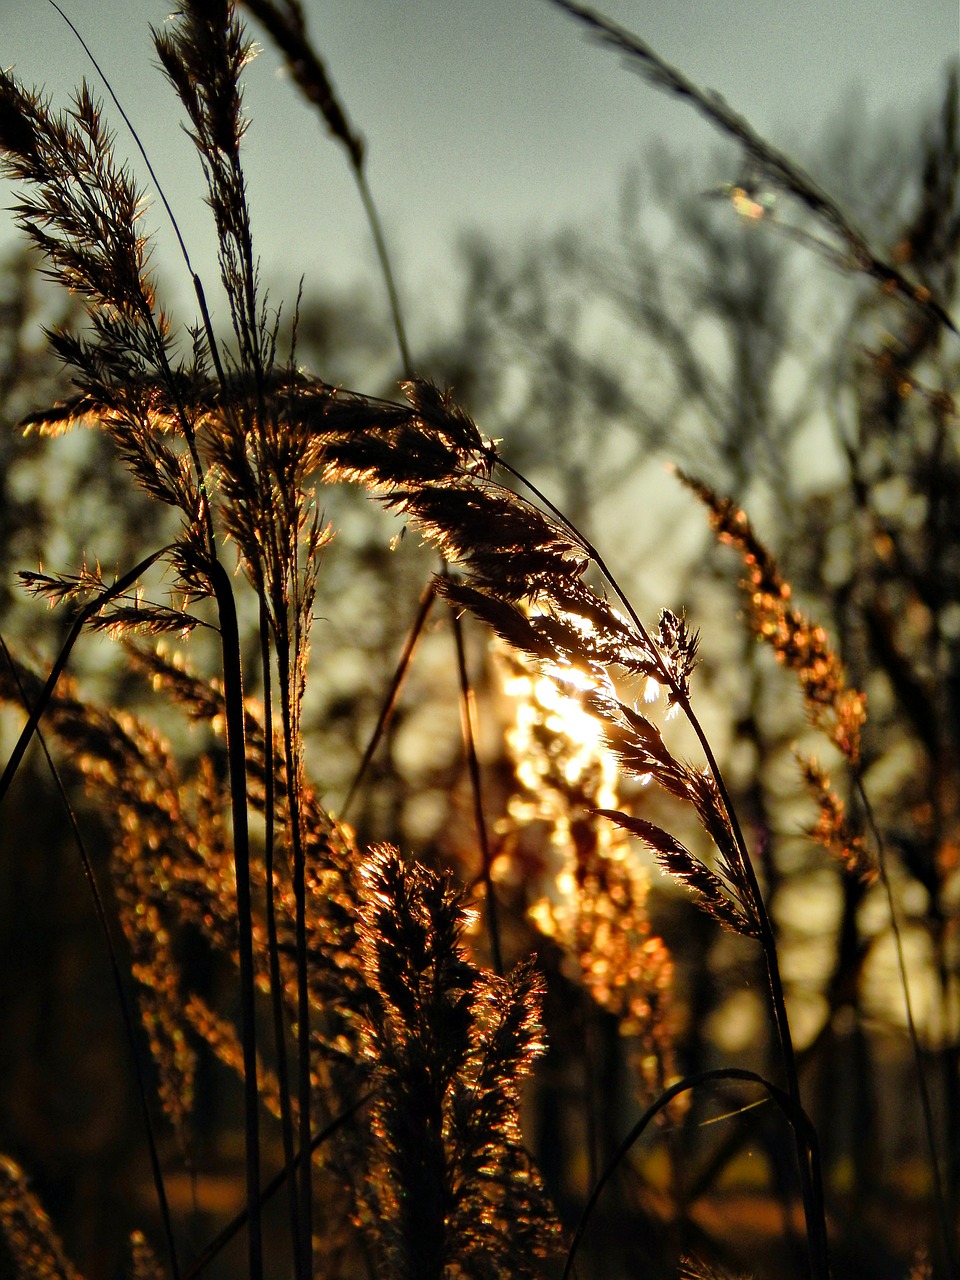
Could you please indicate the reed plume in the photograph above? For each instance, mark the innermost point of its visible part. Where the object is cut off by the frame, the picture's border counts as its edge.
(448, 1045)
(832, 706)
(34, 1245)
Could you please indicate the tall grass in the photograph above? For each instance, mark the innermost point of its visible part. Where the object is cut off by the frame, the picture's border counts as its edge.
(378, 1021)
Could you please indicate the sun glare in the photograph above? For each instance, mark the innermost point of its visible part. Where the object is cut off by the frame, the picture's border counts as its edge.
(584, 888)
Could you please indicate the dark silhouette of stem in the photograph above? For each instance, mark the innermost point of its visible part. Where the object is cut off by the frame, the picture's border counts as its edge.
(234, 714)
(940, 1199)
(383, 257)
(427, 597)
(811, 1184)
(304, 1081)
(287, 29)
(273, 952)
(796, 1117)
(219, 1243)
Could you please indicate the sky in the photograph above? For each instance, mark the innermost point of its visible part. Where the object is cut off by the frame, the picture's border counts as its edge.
(491, 115)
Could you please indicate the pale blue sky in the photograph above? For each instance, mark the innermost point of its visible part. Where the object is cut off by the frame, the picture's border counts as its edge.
(495, 114)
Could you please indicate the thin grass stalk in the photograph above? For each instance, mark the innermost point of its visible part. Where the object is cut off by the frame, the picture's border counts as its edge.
(273, 950)
(946, 1240)
(291, 657)
(236, 753)
(220, 1242)
(133, 133)
(383, 257)
(467, 715)
(797, 1119)
(129, 1024)
(288, 31)
(724, 1154)
(811, 1185)
(233, 704)
(427, 598)
(292, 760)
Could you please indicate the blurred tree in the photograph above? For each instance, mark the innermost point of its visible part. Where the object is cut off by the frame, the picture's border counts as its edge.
(720, 334)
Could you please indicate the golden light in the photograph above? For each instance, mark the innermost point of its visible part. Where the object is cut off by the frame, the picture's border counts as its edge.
(745, 205)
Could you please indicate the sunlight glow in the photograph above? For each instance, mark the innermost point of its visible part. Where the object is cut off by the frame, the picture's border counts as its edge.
(745, 205)
(584, 886)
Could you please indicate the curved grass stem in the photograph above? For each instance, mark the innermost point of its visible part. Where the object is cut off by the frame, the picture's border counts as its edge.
(811, 1182)
(940, 1199)
(427, 598)
(794, 1114)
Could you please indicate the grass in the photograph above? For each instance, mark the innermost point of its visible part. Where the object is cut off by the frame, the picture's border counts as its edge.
(382, 1022)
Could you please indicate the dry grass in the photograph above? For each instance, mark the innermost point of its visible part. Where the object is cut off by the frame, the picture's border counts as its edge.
(368, 1021)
